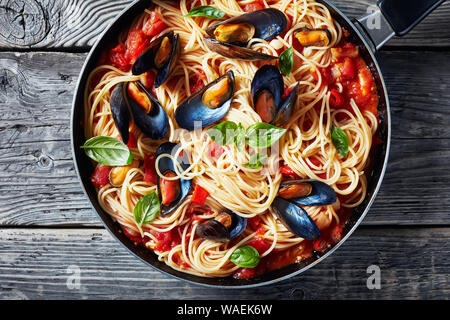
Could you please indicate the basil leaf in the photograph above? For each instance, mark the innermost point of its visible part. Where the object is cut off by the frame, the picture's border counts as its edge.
(206, 11)
(263, 135)
(108, 151)
(257, 161)
(286, 61)
(340, 141)
(240, 137)
(245, 257)
(223, 134)
(146, 209)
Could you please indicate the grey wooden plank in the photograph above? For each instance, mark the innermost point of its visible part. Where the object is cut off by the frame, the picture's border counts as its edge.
(34, 262)
(38, 185)
(62, 24)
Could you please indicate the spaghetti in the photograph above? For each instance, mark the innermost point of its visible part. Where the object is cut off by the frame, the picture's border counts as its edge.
(327, 98)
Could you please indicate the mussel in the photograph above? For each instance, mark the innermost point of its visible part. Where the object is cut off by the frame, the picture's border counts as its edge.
(117, 175)
(162, 55)
(295, 193)
(208, 105)
(120, 113)
(313, 37)
(147, 112)
(307, 192)
(267, 90)
(295, 219)
(171, 192)
(225, 226)
(228, 38)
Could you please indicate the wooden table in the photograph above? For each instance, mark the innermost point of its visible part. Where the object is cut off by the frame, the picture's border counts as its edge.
(47, 225)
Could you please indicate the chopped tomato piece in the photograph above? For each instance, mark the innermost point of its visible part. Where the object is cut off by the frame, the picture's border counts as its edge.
(254, 222)
(199, 196)
(336, 99)
(117, 57)
(136, 43)
(99, 177)
(254, 6)
(196, 83)
(260, 245)
(320, 244)
(288, 172)
(166, 240)
(336, 234)
(149, 168)
(215, 151)
(245, 273)
(134, 236)
(346, 50)
(132, 143)
(348, 70)
(154, 25)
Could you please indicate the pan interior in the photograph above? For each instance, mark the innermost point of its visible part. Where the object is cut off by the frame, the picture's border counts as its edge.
(84, 166)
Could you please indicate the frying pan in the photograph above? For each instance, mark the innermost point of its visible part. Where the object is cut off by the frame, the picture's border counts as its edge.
(388, 18)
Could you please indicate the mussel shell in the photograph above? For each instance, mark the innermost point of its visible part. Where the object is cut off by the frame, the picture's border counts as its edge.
(214, 230)
(235, 52)
(165, 164)
(295, 219)
(268, 23)
(146, 60)
(120, 112)
(193, 109)
(287, 109)
(155, 124)
(268, 78)
(321, 195)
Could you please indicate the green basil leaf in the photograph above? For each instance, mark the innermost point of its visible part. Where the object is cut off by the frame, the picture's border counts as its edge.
(257, 161)
(245, 257)
(286, 61)
(263, 135)
(240, 137)
(108, 151)
(340, 141)
(223, 134)
(146, 209)
(206, 11)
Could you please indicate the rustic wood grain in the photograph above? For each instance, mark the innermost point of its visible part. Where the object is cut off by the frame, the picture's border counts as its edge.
(75, 24)
(38, 185)
(33, 265)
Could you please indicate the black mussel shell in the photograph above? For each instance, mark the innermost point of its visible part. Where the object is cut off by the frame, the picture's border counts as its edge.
(235, 52)
(268, 78)
(321, 195)
(268, 23)
(120, 112)
(146, 60)
(295, 219)
(166, 164)
(214, 230)
(154, 124)
(287, 109)
(194, 110)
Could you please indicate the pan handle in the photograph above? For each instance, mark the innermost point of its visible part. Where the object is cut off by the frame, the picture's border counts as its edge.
(394, 17)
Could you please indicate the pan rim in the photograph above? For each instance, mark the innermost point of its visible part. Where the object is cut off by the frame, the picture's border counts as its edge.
(81, 85)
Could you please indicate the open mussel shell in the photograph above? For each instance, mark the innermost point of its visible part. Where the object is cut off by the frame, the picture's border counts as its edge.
(295, 219)
(166, 166)
(287, 108)
(321, 194)
(215, 230)
(162, 55)
(208, 105)
(152, 120)
(228, 38)
(120, 112)
(267, 23)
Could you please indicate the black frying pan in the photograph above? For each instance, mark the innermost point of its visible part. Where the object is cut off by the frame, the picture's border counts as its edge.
(391, 17)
